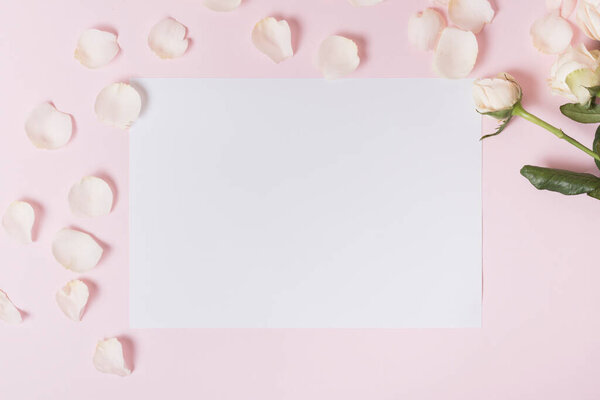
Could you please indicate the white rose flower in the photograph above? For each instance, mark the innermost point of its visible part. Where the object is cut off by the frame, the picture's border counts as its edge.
(588, 18)
(496, 95)
(573, 72)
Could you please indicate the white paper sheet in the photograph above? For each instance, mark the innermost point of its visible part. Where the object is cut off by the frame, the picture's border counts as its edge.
(305, 203)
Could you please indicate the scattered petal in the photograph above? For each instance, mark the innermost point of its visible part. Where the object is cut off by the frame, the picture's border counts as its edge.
(18, 221)
(564, 7)
(167, 39)
(222, 5)
(424, 28)
(96, 48)
(470, 15)
(48, 128)
(90, 197)
(273, 38)
(76, 250)
(455, 54)
(363, 3)
(72, 298)
(588, 18)
(109, 359)
(443, 3)
(8, 312)
(337, 57)
(118, 105)
(551, 34)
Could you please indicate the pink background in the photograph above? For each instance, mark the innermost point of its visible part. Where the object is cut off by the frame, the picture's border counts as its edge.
(541, 332)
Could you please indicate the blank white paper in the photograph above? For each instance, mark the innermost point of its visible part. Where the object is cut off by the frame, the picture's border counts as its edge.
(301, 203)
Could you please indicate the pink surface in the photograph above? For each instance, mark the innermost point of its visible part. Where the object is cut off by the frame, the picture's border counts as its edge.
(540, 337)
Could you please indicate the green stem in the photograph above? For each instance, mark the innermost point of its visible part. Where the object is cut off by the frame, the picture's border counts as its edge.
(521, 112)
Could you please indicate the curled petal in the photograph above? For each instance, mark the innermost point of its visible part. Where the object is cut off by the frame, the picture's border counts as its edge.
(8, 312)
(337, 57)
(96, 48)
(76, 250)
(109, 359)
(273, 38)
(455, 54)
(222, 5)
(118, 105)
(424, 28)
(470, 15)
(18, 221)
(588, 18)
(167, 39)
(363, 3)
(551, 34)
(564, 7)
(48, 128)
(90, 197)
(72, 298)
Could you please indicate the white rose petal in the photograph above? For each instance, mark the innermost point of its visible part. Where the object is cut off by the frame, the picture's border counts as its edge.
(48, 128)
(273, 38)
(363, 3)
(564, 7)
(551, 34)
(588, 18)
(72, 298)
(8, 312)
(337, 57)
(443, 3)
(574, 59)
(90, 197)
(455, 54)
(424, 28)
(167, 39)
(18, 221)
(222, 5)
(118, 105)
(96, 48)
(76, 250)
(109, 359)
(470, 15)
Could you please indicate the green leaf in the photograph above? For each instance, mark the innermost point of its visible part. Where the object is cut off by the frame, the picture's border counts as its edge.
(596, 145)
(595, 194)
(562, 181)
(498, 130)
(581, 113)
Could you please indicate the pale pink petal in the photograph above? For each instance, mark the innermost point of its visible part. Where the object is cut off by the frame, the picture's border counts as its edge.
(551, 34)
(48, 128)
(564, 7)
(72, 298)
(18, 221)
(222, 5)
(76, 250)
(470, 15)
(424, 28)
(109, 359)
(118, 105)
(363, 3)
(273, 38)
(455, 54)
(337, 57)
(96, 48)
(90, 197)
(167, 39)
(8, 312)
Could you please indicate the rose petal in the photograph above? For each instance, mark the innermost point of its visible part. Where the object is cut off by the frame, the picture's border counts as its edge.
(337, 57)
(588, 18)
(96, 48)
(8, 312)
(470, 15)
(118, 105)
(222, 5)
(109, 359)
(76, 250)
(564, 7)
(167, 39)
(443, 3)
(48, 128)
(90, 197)
(455, 54)
(72, 298)
(551, 34)
(363, 3)
(424, 28)
(18, 221)
(273, 38)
